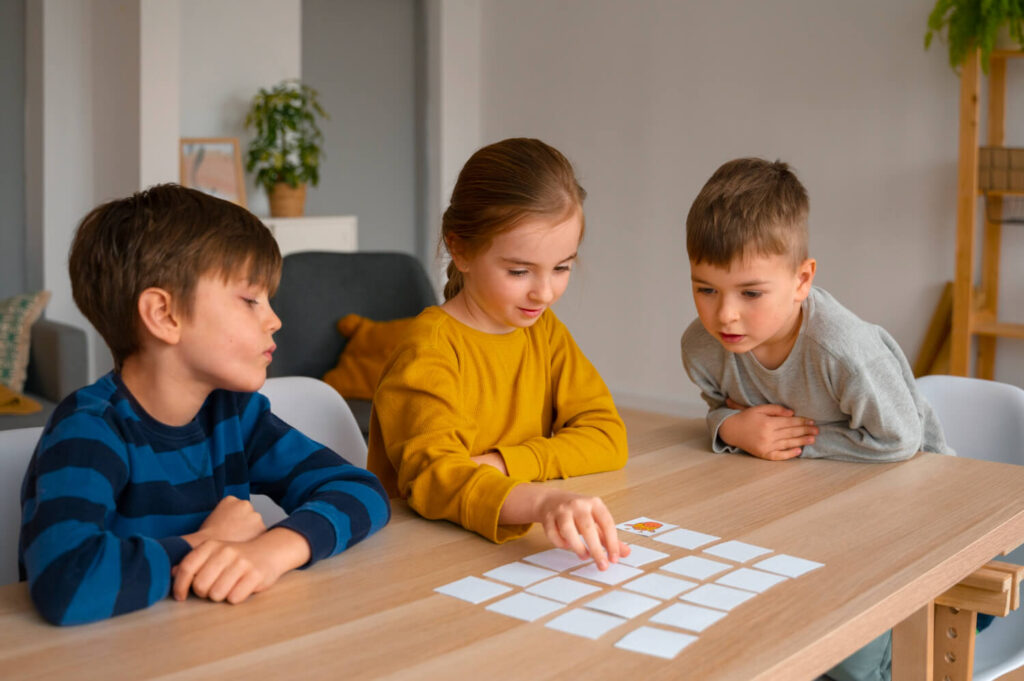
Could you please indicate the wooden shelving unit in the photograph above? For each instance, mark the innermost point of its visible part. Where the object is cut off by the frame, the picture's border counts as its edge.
(975, 313)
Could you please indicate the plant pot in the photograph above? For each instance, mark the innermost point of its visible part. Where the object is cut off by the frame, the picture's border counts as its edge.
(287, 201)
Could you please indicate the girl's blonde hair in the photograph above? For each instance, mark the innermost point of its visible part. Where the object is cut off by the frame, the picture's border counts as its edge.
(501, 185)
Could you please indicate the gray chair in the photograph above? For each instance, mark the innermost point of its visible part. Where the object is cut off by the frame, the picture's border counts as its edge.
(317, 289)
(58, 365)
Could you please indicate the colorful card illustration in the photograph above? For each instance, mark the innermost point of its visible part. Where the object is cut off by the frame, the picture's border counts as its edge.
(647, 527)
(525, 607)
(473, 589)
(585, 623)
(562, 590)
(655, 642)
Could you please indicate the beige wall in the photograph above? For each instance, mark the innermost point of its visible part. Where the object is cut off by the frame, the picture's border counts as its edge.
(648, 98)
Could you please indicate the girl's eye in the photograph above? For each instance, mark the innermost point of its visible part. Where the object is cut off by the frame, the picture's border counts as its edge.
(517, 273)
(705, 290)
(753, 294)
(564, 268)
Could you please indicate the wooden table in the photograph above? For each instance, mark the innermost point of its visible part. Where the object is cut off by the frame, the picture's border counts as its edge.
(892, 537)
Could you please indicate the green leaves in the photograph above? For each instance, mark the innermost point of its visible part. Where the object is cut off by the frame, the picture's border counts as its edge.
(974, 23)
(287, 143)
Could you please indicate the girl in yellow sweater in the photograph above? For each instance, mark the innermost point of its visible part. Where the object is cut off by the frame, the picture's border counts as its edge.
(488, 394)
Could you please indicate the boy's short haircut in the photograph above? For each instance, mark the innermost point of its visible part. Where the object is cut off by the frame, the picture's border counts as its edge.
(750, 206)
(167, 236)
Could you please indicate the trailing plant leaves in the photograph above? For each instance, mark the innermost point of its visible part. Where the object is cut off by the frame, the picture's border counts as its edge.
(970, 24)
(287, 144)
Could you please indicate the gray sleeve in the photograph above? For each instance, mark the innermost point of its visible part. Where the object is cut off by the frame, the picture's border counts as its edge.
(696, 364)
(883, 421)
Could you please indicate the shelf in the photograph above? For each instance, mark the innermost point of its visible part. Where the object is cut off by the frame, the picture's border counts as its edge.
(999, 329)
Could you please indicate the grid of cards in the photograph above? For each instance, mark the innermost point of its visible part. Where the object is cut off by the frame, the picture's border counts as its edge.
(676, 598)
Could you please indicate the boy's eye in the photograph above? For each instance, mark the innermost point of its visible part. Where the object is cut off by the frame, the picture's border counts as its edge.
(564, 268)
(517, 273)
(251, 301)
(705, 290)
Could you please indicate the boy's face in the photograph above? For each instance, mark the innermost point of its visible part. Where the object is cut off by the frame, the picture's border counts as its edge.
(754, 304)
(227, 341)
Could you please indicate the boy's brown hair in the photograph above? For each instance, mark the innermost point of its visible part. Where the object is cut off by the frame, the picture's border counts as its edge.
(750, 206)
(167, 236)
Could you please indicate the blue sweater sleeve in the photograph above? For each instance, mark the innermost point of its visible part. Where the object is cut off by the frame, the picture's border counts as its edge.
(330, 502)
(77, 569)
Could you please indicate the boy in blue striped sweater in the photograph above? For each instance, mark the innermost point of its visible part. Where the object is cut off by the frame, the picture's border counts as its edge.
(139, 485)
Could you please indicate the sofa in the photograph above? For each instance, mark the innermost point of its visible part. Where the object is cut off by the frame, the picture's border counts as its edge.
(319, 288)
(58, 365)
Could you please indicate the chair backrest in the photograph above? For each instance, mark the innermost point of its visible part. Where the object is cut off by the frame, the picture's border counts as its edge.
(318, 411)
(16, 447)
(317, 289)
(981, 419)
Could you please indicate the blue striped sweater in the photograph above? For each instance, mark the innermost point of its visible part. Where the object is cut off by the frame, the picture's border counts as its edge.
(110, 491)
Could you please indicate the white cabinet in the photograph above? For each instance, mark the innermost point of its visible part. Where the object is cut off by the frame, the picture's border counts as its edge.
(332, 233)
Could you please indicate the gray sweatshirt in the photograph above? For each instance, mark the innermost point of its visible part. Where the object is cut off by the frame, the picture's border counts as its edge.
(848, 375)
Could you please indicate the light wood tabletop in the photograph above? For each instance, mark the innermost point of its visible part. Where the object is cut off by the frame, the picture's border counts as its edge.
(892, 537)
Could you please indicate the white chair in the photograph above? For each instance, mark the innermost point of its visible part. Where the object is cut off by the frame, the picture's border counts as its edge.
(16, 447)
(985, 420)
(317, 410)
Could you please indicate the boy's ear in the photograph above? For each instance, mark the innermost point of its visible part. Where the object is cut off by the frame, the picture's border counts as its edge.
(156, 311)
(805, 277)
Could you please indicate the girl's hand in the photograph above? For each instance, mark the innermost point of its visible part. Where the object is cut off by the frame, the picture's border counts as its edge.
(581, 524)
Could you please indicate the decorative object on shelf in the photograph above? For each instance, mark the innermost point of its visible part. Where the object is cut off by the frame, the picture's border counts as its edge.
(285, 154)
(213, 165)
(975, 23)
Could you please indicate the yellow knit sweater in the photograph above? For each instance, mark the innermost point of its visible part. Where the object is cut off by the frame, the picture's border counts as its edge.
(450, 392)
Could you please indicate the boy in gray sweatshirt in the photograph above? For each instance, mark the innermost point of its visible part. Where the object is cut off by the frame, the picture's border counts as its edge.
(785, 369)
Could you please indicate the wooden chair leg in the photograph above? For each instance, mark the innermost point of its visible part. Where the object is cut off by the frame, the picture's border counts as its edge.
(954, 643)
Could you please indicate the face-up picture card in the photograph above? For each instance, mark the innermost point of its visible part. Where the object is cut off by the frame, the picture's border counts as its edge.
(519, 574)
(791, 566)
(659, 586)
(686, 616)
(473, 589)
(695, 567)
(585, 623)
(686, 539)
(562, 590)
(738, 551)
(641, 555)
(647, 527)
(751, 580)
(616, 572)
(557, 560)
(655, 641)
(717, 596)
(623, 603)
(525, 607)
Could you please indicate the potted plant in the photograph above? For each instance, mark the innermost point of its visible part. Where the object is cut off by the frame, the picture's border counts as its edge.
(975, 23)
(285, 154)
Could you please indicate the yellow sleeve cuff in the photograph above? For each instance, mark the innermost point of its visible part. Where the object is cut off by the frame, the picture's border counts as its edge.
(521, 462)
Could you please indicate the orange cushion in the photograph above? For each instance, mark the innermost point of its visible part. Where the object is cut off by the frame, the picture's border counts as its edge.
(369, 346)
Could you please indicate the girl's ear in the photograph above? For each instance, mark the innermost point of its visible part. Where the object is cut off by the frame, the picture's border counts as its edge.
(159, 318)
(805, 278)
(458, 253)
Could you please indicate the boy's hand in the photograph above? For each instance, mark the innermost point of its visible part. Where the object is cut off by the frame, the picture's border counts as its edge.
(233, 520)
(767, 431)
(233, 571)
(582, 525)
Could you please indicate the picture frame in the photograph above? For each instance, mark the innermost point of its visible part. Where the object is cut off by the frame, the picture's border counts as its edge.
(213, 165)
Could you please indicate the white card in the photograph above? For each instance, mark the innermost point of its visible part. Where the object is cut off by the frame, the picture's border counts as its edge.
(659, 586)
(622, 603)
(519, 574)
(791, 566)
(641, 555)
(685, 616)
(696, 567)
(473, 589)
(616, 572)
(717, 596)
(586, 623)
(648, 527)
(751, 580)
(686, 539)
(656, 642)
(523, 606)
(738, 551)
(563, 590)
(557, 559)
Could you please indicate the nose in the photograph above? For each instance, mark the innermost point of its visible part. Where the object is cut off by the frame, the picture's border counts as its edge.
(727, 311)
(543, 292)
(273, 321)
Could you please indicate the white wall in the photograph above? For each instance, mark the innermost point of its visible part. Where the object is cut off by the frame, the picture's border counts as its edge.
(649, 97)
(230, 49)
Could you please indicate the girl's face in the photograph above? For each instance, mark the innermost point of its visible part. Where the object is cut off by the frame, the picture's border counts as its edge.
(522, 273)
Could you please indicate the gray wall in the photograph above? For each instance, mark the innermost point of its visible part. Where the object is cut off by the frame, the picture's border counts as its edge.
(362, 55)
(12, 141)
